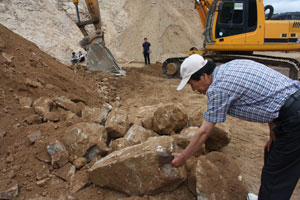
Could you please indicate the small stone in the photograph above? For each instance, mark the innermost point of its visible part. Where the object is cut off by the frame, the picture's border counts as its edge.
(2, 134)
(43, 182)
(80, 162)
(11, 193)
(11, 174)
(30, 139)
(9, 159)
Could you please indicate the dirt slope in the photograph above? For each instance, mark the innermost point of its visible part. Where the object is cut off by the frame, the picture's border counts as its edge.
(26, 71)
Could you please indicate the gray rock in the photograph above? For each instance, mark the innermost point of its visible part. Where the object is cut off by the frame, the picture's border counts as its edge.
(30, 139)
(59, 154)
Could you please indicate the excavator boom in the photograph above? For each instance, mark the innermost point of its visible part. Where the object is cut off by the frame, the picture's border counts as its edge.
(99, 57)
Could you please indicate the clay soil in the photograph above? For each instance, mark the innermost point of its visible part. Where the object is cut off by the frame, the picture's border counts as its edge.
(141, 86)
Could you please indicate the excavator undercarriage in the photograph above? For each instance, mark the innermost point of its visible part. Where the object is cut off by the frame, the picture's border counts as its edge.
(287, 66)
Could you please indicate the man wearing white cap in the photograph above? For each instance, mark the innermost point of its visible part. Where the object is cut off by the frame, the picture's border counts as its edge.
(250, 91)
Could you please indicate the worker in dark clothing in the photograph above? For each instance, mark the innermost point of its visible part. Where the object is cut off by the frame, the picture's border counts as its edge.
(146, 51)
(254, 92)
(74, 59)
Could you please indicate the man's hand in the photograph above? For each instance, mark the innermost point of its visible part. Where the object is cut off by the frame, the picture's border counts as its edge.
(178, 160)
(272, 136)
(197, 141)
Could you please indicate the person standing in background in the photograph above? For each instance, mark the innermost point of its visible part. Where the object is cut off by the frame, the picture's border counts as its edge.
(146, 51)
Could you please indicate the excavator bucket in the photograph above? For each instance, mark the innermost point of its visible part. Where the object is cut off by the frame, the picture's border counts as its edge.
(99, 58)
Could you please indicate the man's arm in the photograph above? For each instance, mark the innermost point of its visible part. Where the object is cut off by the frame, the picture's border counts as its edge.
(198, 139)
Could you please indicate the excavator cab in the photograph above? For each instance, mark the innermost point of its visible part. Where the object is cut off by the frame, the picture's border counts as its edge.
(238, 29)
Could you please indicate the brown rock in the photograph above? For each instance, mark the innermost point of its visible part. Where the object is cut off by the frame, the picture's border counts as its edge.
(51, 116)
(59, 154)
(169, 118)
(43, 182)
(66, 172)
(96, 115)
(25, 102)
(42, 105)
(80, 162)
(196, 117)
(33, 119)
(219, 138)
(138, 170)
(145, 114)
(217, 178)
(68, 105)
(79, 181)
(31, 83)
(9, 58)
(82, 136)
(11, 193)
(118, 144)
(117, 123)
(137, 134)
(30, 139)
(185, 137)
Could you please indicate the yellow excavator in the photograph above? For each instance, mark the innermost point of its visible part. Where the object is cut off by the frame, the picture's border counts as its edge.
(99, 58)
(234, 29)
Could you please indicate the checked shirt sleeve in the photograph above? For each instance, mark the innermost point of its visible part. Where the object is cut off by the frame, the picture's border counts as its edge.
(217, 106)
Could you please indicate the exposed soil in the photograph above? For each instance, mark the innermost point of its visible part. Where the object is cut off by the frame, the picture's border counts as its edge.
(32, 73)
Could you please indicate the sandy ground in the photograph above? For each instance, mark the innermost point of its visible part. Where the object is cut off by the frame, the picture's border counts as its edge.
(141, 87)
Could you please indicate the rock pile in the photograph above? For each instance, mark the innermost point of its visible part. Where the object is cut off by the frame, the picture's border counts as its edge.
(104, 148)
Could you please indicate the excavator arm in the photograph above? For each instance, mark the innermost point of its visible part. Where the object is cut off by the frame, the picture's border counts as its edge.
(202, 6)
(99, 58)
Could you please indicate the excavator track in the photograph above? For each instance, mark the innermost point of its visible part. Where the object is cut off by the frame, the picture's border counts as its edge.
(287, 66)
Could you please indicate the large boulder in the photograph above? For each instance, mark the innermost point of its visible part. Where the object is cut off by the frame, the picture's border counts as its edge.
(138, 170)
(81, 137)
(117, 123)
(219, 177)
(169, 119)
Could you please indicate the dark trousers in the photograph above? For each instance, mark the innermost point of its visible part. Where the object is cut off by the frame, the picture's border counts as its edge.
(147, 58)
(281, 169)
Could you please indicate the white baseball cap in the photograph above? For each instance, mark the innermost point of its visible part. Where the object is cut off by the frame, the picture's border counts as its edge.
(189, 66)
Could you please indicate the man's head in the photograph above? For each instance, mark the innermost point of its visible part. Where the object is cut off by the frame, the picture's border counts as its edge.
(145, 39)
(73, 53)
(197, 72)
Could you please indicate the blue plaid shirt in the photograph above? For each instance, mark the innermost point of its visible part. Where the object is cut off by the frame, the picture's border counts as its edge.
(247, 90)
